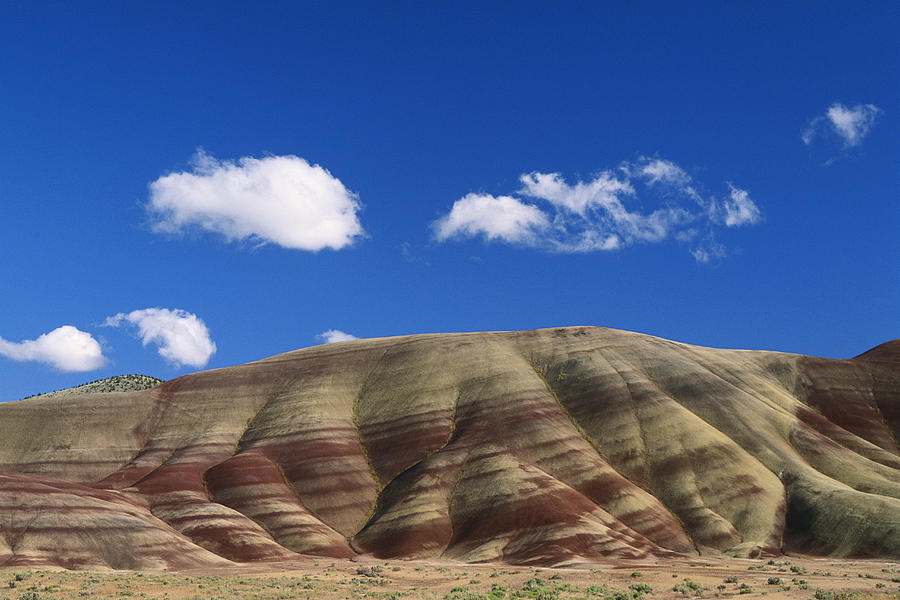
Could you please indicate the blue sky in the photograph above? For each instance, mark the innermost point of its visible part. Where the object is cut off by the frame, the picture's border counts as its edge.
(227, 181)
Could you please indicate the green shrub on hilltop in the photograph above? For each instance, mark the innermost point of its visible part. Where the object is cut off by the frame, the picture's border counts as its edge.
(116, 383)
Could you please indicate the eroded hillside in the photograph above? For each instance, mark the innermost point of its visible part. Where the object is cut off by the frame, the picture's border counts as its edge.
(543, 447)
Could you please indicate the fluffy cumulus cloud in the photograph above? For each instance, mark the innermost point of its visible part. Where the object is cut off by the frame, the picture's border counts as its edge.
(851, 125)
(335, 335)
(182, 338)
(606, 212)
(66, 348)
(275, 199)
(495, 217)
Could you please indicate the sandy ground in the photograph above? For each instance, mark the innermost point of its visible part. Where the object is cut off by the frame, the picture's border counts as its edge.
(324, 579)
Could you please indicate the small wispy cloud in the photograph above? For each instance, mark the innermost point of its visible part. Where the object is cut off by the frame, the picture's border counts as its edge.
(410, 254)
(850, 125)
(182, 338)
(335, 335)
(275, 199)
(739, 209)
(708, 251)
(601, 214)
(65, 348)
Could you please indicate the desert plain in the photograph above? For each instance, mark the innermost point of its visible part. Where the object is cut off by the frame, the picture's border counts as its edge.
(310, 578)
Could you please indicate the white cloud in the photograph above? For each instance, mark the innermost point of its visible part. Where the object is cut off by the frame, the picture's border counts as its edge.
(708, 251)
(504, 218)
(279, 199)
(584, 241)
(603, 213)
(852, 125)
(740, 209)
(182, 337)
(658, 170)
(66, 348)
(666, 173)
(600, 202)
(701, 255)
(601, 192)
(335, 335)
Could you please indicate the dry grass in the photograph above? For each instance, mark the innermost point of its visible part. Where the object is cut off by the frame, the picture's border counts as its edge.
(325, 580)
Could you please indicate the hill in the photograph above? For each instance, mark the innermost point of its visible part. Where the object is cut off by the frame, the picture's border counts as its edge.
(545, 447)
(116, 383)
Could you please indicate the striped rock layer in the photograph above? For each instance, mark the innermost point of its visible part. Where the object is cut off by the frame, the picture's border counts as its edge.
(546, 447)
